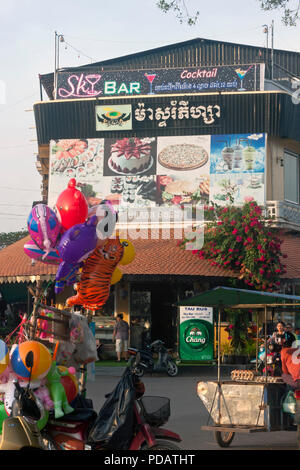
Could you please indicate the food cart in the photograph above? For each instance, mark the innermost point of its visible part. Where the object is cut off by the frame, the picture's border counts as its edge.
(248, 403)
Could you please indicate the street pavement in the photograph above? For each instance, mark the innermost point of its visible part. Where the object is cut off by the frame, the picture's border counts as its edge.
(188, 413)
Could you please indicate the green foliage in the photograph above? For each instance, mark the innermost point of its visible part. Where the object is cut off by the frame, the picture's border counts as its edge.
(290, 10)
(7, 239)
(240, 239)
(179, 8)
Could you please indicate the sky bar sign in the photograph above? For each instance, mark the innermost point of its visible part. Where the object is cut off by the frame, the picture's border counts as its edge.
(90, 83)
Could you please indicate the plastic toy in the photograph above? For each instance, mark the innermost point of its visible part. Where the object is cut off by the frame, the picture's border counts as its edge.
(41, 360)
(57, 391)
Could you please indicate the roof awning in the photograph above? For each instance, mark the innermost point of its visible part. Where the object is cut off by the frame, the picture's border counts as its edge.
(239, 298)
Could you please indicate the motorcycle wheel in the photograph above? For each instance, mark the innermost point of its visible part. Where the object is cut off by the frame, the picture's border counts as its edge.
(163, 445)
(224, 439)
(139, 372)
(172, 369)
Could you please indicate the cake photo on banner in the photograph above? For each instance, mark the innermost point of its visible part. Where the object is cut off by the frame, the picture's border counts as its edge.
(130, 156)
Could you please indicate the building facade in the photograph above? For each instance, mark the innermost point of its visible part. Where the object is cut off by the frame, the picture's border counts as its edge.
(212, 115)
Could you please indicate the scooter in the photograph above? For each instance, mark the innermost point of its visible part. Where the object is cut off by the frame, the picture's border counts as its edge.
(127, 421)
(20, 430)
(164, 361)
(273, 360)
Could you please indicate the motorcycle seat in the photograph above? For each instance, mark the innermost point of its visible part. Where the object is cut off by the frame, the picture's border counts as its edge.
(79, 414)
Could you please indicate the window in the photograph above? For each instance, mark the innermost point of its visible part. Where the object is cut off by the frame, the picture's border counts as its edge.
(291, 177)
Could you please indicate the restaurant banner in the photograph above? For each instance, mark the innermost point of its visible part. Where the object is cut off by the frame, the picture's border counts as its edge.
(196, 333)
(166, 171)
(93, 83)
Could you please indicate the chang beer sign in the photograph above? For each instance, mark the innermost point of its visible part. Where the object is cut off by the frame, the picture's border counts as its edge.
(196, 334)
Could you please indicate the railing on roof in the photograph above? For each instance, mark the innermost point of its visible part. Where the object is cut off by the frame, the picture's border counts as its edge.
(286, 79)
(285, 214)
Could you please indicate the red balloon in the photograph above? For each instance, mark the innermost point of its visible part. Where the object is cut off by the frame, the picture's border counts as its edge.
(71, 206)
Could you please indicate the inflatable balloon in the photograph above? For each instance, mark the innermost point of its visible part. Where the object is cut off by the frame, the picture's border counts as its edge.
(75, 246)
(43, 227)
(116, 276)
(34, 252)
(94, 285)
(42, 360)
(4, 356)
(71, 206)
(129, 253)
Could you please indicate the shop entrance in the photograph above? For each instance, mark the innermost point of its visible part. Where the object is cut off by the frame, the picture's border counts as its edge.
(152, 314)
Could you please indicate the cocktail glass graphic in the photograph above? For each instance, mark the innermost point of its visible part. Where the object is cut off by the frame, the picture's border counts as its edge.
(150, 77)
(92, 79)
(242, 74)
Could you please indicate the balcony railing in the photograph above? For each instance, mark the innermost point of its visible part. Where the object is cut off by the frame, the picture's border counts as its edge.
(285, 214)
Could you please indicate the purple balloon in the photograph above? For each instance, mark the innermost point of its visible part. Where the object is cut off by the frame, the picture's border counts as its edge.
(75, 246)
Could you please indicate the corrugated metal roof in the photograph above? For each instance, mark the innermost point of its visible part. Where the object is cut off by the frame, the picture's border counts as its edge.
(195, 52)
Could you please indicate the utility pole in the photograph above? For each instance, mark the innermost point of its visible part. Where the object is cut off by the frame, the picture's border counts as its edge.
(58, 38)
(272, 51)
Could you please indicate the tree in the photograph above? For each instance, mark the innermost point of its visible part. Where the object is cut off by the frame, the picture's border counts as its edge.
(290, 10)
(241, 239)
(9, 238)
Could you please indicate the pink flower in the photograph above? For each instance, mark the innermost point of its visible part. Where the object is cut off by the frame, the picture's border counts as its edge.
(234, 232)
(238, 239)
(248, 199)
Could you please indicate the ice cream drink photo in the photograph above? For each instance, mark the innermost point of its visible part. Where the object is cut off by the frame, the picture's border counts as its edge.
(227, 154)
(249, 154)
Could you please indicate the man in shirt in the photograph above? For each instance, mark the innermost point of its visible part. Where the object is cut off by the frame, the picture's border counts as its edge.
(121, 334)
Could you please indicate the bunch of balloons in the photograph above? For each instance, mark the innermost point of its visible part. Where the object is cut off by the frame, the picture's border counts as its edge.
(55, 386)
(76, 239)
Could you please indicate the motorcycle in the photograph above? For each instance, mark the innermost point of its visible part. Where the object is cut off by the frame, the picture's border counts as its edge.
(273, 360)
(164, 361)
(128, 420)
(20, 430)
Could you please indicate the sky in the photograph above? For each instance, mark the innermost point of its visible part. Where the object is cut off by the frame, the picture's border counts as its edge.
(94, 30)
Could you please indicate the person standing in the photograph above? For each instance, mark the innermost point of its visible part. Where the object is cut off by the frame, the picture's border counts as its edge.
(121, 335)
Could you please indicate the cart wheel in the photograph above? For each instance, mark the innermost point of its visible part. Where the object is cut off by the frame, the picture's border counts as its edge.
(224, 439)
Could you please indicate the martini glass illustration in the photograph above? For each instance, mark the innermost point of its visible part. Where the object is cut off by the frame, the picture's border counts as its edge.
(92, 79)
(150, 77)
(242, 74)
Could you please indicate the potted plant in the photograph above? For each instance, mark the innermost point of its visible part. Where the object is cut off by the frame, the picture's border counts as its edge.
(250, 349)
(227, 353)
